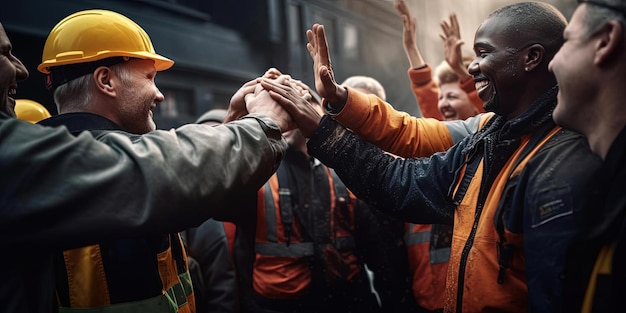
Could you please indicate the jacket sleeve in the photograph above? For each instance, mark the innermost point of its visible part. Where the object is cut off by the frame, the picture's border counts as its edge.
(64, 191)
(426, 91)
(415, 190)
(397, 132)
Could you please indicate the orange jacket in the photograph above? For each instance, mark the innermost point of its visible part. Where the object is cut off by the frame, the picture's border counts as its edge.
(427, 92)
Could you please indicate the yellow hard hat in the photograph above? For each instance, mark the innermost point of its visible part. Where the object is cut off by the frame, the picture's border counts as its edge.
(94, 35)
(30, 111)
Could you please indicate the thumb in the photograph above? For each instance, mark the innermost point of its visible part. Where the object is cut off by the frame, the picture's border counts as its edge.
(327, 78)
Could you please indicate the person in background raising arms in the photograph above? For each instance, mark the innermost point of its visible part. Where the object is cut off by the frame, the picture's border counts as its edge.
(451, 94)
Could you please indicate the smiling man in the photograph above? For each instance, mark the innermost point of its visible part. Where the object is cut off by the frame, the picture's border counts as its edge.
(590, 69)
(101, 67)
(510, 188)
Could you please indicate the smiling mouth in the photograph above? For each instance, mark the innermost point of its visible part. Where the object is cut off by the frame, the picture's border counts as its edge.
(482, 84)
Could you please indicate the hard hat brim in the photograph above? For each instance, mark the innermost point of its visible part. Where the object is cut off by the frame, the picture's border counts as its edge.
(161, 63)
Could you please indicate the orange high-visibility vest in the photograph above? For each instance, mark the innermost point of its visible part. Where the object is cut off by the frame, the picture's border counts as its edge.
(282, 269)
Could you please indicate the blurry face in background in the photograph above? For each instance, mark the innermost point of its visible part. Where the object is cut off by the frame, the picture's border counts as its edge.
(571, 66)
(11, 71)
(138, 97)
(454, 104)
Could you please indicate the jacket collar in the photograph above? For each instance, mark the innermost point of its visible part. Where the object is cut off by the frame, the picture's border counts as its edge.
(80, 121)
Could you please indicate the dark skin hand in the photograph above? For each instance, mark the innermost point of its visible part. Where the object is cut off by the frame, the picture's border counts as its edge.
(325, 82)
(286, 94)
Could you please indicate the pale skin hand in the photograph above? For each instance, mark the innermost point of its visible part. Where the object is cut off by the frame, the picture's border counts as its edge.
(408, 35)
(452, 46)
(325, 82)
(262, 103)
(301, 87)
(237, 107)
(303, 113)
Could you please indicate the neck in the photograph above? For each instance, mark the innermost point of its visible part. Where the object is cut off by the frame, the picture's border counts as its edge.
(607, 124)
(601, 138)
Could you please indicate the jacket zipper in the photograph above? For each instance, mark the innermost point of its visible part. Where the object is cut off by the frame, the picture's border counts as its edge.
(464, 255)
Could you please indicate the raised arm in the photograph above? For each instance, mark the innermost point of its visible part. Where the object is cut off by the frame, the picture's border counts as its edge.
(368, 116)
(452, 43)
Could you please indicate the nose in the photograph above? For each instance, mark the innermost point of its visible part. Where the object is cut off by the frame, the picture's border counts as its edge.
(21, 73)
(473, 67)
(159, 96)
(443, 103)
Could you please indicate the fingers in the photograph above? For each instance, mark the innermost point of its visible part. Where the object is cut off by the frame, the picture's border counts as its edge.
(272, 73)
(327, 80)
(455, 24)
(402, 8)
(322, 45)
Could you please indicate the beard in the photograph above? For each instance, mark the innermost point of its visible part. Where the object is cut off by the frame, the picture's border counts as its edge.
(492, 104)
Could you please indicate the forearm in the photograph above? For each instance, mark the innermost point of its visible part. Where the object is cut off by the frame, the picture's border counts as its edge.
(397, 132)
(374, 176)
(426, 91)
(64, 191)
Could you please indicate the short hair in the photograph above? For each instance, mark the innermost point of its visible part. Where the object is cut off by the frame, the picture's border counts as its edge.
(597, 15)
(536, 21)
(76, 94)
(365, 82)
(444, 74)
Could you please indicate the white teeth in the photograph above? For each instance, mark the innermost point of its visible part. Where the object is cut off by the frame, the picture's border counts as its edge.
(481, 84)
(12, 91)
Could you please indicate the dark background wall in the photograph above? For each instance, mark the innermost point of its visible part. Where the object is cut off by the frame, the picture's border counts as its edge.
(219, 45)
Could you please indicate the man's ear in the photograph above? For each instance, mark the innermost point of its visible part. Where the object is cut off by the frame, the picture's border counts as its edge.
(533, 57)
(103, 80)
(610, 43)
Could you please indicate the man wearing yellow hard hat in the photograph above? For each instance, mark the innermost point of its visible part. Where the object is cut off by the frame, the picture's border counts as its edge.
(101, 68)
(66, 192)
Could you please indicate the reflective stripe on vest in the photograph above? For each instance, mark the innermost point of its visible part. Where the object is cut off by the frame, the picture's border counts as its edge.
(164, 303)
(273, 247)
(441, 255)
(343, 242)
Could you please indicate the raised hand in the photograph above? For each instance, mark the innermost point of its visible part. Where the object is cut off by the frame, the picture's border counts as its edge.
(408, 35)
(452, 46)
(325, 82)
(286, 93)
